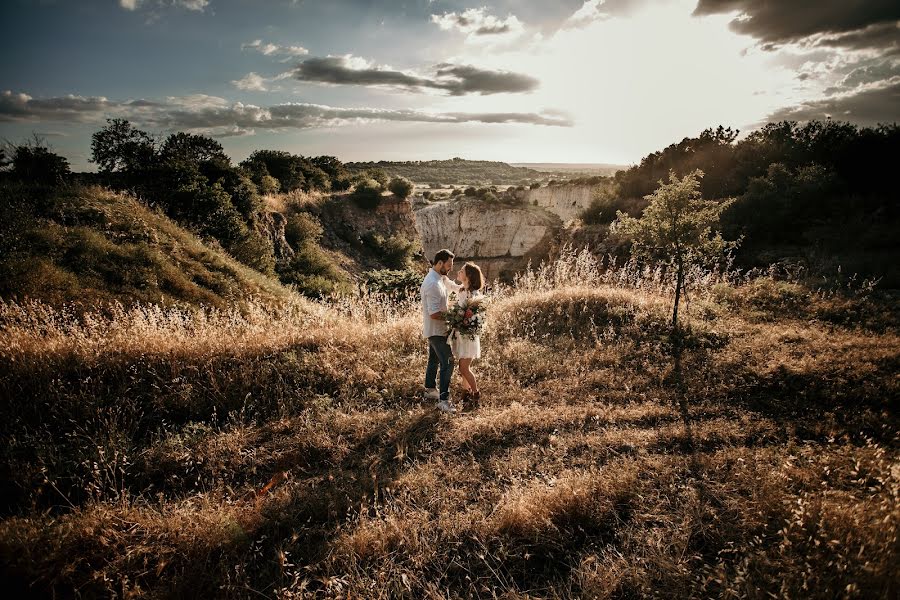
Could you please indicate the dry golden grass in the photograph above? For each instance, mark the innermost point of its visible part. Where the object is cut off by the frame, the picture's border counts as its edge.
(284, 452)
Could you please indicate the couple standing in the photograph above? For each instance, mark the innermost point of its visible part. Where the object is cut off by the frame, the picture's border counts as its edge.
(435, 292)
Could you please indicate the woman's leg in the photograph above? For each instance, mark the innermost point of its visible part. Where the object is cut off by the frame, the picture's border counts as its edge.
(466, 372)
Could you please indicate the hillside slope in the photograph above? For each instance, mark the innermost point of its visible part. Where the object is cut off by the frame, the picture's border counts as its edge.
(89, 245)
(295, 458)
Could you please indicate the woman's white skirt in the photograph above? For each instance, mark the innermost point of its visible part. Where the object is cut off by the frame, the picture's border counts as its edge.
(464, 346)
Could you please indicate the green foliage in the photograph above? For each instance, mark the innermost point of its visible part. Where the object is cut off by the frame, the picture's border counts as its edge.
(367, 194)
(400, 283)
(191, 148)
(121, 148)
(607, 202)
(452, 171)
(268, 185)
(778, 206)
(678, 230)
(395, 251)
(287, 168)
(302, 228)
(37, 164)
(400, 187)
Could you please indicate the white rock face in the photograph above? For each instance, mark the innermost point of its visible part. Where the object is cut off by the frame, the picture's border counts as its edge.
(565, 201)
(474, 230)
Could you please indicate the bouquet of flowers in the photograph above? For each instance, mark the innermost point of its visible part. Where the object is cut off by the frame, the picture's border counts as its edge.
(467, 321)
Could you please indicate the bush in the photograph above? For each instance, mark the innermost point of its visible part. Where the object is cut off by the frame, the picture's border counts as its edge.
(456, 192)
(426, 194)
(302, 228)
(400, 187)
(367, 194)
(535, 185)
(395, 251)
(37, 164)
(471, 192)
(606, 202)
(394, 282)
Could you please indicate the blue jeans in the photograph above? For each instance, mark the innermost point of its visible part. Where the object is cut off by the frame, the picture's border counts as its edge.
(439, 354)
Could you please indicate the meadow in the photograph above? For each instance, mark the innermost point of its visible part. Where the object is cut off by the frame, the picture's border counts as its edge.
(281, 449)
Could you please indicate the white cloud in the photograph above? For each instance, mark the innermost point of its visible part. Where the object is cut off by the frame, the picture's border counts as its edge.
(476, 22)
(216, 116)
(251, 82)
(129, 4)
(269, 49)
(587, 14)
(197, 5)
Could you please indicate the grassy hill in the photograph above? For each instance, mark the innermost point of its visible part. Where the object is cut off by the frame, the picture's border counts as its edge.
(286, 455)
(457, 171)
(89, 246)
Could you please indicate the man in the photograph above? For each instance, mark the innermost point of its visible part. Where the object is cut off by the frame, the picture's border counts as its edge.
(435, 303)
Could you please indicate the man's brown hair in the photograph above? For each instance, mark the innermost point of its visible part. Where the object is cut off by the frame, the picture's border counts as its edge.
(442, 256)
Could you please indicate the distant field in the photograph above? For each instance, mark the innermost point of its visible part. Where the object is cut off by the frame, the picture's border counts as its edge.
(587, 168)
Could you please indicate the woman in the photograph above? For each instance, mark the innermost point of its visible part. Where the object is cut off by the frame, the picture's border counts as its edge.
(466, 349)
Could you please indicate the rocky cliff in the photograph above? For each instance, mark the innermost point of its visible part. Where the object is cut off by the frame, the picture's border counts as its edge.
(565, 201)
(500, 238)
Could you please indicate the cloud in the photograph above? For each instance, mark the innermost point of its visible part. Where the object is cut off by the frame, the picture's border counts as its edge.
(216, 116)
(22, 107)
(270, 49)
(477, 22)
(251, 82)
(874, 105)
(784, 22)
(194, 5)
(587, 14)
(455, 80)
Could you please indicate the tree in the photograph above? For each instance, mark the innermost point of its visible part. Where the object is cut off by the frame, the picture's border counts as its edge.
(367, 194)
(678, 230)
(120, 147)
(34, 162)
(400, 187)
(188, 147)
(283, 166)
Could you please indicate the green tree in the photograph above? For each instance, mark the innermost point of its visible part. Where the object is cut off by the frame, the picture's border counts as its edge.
(188, 147)
(120, 147)
(400, 187)
(35, 162)
(367, 194)
(678, 230)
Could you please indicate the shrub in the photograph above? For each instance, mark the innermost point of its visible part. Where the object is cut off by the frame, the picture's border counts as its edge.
(302, 228)
(37, 164)
(395, 251)
(367, 194)
(394, 282)
(471, 192)
(456, 192)
(400, 187)
(535, 185)
(426, 194)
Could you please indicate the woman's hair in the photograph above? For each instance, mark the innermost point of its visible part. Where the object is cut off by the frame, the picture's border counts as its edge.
(474, 275)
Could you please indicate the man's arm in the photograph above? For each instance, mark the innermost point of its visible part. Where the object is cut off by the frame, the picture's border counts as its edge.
(434, 303)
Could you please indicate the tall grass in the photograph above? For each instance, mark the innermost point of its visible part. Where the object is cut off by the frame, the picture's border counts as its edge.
(286, 448)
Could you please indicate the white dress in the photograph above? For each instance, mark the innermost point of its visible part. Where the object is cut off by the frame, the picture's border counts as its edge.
(464, 346)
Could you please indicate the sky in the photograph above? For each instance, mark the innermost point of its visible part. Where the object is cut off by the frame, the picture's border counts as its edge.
(520, 81)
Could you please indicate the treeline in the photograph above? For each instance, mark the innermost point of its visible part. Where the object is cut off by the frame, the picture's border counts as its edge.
(454, 171)
(195, 183)
(827, 184)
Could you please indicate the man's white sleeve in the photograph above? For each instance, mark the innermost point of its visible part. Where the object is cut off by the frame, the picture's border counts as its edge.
(433, 301)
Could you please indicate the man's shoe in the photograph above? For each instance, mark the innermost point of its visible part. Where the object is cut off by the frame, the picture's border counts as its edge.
(446, 407)
(431, 394)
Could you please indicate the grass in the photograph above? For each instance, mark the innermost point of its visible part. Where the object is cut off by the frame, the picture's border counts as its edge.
(87, 246)
(283, 452)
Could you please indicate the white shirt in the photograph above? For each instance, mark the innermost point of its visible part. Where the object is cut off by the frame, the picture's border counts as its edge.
(435, 298)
